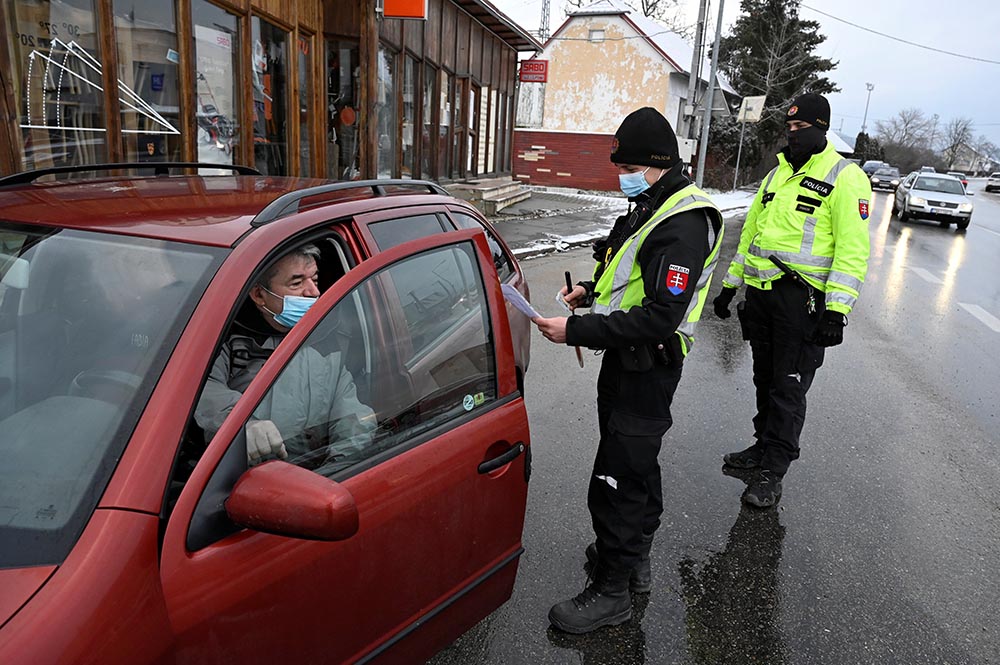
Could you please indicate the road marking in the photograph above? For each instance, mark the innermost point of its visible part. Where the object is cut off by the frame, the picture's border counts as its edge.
(981, 314)
(926, 275)
(980, 228)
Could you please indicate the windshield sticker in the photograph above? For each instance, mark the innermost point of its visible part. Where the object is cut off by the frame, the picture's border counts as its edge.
(479, 399)
(468, 402)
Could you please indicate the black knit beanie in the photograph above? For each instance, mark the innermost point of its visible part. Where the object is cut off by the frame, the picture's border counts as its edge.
(645, 138)
(811, 108)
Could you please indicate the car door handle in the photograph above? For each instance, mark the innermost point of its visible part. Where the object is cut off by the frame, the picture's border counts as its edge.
(500, 460)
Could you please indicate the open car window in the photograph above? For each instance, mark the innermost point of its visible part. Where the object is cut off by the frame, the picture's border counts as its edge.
(407, 351)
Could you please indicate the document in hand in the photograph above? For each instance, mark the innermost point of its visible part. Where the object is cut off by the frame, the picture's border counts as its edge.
(514, 297)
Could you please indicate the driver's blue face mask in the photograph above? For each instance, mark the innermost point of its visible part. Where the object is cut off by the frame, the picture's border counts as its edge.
(633, 184)
(293, 308)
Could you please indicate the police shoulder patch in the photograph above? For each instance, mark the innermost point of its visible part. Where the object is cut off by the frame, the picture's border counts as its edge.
(677, 279)
(863, 208)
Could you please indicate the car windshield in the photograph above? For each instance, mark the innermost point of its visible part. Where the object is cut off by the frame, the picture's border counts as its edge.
(888, 172)
(87, 321)
(943, 185)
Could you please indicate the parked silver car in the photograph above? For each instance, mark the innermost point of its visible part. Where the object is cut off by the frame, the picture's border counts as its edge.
(935, 196)
(993, 182)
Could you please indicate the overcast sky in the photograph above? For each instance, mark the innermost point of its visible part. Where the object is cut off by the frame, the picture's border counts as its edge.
(903, 75)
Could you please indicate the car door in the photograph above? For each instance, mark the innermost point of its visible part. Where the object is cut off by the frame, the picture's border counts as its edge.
(434, 453)
(901, 191)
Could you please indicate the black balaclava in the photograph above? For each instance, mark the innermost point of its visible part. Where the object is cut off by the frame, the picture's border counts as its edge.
(805, 142)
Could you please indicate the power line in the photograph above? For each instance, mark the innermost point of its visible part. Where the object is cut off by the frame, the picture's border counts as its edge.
(904, 41)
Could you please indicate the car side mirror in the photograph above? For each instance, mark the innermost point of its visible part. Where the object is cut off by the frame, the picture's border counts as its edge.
(287, 500)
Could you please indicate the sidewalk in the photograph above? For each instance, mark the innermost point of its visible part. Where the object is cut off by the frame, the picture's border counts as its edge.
(554, 220)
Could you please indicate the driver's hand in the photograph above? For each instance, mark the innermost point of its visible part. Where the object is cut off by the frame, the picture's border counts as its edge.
(264, 439)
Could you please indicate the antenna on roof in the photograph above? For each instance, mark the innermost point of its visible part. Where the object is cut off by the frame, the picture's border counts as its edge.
(543, 28)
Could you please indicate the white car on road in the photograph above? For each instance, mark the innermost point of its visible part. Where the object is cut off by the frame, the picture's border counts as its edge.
(935, 196)
(993, 182)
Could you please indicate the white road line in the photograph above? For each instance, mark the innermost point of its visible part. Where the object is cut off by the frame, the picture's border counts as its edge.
(981, 314)
(926, 275)
(980, 228)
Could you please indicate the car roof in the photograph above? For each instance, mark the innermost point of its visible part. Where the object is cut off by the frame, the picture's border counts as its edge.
(209, 210)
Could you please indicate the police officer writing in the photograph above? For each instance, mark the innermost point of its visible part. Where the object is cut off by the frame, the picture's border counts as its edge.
(803, 255)
(650, 285)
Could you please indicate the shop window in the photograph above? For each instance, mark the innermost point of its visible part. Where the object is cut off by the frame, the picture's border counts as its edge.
(146, 31)
(458, 135)
(58, 82)
(429, 134)
(342, 72)
(269, 75)
(485, 135)
(447, 91)
(409, 115)
(217, 90)
(385, 104)
(305, 97)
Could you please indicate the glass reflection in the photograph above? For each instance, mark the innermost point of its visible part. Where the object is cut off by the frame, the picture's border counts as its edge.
(269, 73)
(733, 598)
(216, 55)
(58, 82)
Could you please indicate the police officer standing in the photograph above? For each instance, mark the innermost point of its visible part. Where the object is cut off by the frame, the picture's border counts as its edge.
(650, 285)
(803, 255)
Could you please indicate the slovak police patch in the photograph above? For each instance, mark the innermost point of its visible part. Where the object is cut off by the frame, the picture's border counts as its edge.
(677, 279)
(863, 208)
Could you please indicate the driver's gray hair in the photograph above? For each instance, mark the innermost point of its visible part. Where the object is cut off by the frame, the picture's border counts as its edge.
(307, 251)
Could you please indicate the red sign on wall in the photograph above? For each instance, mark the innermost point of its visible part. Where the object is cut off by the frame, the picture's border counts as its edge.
(412, 9)
(534, 71)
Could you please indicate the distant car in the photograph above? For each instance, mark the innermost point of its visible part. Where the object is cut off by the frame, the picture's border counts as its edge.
(887, 178)
(960, 176)
(927, 169)
(939, 197)
(873, 165)
(993, 182)
(129, 535)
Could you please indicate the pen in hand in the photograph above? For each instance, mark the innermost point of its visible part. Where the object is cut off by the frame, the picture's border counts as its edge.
(569, 290)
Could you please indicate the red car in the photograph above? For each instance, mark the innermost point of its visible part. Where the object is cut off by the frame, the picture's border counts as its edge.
(128, 536)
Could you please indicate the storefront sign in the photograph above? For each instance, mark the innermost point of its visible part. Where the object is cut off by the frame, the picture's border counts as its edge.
(534, 71)
(412, 9)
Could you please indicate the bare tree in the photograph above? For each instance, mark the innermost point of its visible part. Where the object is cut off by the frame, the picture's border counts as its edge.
(957, 133)
(909, 128)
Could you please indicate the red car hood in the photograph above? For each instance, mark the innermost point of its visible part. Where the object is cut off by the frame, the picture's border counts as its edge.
(18, 585)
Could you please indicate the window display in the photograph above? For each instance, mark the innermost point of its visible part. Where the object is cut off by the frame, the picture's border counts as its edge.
(342, 72)
(385, 103)
(305, 95)
(58, 82)
(216, 48)
(269, 77)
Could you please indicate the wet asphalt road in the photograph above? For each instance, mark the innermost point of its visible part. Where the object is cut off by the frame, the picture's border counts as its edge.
(885, 547)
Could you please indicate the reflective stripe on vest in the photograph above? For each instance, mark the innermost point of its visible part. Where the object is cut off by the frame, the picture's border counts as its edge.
(623, 271)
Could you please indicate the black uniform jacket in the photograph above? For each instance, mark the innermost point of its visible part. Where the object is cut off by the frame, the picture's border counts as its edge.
(678, 244)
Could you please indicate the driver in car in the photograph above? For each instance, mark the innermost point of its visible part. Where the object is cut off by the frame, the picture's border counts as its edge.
(312, 411)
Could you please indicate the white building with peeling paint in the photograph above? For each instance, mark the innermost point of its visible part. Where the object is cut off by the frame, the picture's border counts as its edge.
(605, 61)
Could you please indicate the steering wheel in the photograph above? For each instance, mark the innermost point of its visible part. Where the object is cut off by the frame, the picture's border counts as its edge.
(109, 385)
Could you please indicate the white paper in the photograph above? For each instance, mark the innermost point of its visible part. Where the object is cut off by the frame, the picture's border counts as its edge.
(514, 297)
(562, 302)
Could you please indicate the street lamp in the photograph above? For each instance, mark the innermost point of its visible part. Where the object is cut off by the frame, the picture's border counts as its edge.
(864, 123)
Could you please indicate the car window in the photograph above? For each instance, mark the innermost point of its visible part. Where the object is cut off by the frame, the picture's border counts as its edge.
(888, 172)
(943, 185)
(501, 259)
(367, 381)
(393, 232)
(90, 319)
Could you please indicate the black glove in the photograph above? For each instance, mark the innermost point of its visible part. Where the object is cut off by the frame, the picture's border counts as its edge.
(600, 249)
(721, 302)
(830, 329)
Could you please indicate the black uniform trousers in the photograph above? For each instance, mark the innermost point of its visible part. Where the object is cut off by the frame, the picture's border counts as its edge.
(626, 495)
(778, 325)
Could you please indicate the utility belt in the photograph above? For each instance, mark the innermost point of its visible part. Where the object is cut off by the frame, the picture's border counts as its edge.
(643, 357)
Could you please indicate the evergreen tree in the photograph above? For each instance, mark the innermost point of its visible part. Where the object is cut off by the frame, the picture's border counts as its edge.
(770, 51)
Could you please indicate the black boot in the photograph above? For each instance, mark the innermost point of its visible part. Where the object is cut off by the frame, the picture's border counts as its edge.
(641, 578)
(745, 459)
(605, 602)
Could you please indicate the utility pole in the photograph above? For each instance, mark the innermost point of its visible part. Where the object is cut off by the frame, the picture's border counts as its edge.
(543, 29)
(864, 123)
(709, 99)
(696, 60)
